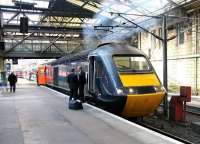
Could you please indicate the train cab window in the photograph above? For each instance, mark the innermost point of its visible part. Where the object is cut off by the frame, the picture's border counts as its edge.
(132, 64)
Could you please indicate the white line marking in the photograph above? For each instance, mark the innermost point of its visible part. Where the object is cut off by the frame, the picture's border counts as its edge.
(121, 119)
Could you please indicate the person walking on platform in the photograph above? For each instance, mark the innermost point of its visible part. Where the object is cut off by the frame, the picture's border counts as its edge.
(12, 78)
(72, 80)
(81, 82)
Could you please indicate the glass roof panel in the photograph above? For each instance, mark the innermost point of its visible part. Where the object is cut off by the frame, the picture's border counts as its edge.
(117, 7)
(42, 4)
(38, 3)
(89, 7)
(76, 2)
(141, 7)
(6, 2)
(110, 24)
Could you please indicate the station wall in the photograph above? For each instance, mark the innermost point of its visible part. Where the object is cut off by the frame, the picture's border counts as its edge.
(183, 53)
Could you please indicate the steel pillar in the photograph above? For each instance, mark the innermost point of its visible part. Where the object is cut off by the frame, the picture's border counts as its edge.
(1, 64)
(165, 83)
(1, 39)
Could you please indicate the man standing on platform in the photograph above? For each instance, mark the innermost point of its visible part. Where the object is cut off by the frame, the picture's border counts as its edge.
(81, 82)
(12, 78)
(72, 80)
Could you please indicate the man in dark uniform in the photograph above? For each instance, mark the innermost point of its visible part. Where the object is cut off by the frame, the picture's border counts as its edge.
(12, 78)
(81, 82)
(72, 80)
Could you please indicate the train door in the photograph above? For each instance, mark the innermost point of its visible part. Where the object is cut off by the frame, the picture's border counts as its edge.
(55, 77)
(41, 78)
(91, 75)
(96, 75)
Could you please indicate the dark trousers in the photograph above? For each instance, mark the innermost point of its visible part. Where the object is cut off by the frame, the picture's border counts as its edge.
(73, 93)
(12, 87)
(81, 92)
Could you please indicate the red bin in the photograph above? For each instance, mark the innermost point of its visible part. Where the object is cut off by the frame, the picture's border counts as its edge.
(176, 111)
(186, 92)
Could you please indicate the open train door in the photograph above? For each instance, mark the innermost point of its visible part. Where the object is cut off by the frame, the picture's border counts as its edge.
(91, 75)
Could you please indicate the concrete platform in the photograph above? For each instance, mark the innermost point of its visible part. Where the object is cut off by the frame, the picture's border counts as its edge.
(37, 115)
(196, 127)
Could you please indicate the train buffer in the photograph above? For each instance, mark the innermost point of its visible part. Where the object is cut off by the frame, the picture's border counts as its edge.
(39, 115)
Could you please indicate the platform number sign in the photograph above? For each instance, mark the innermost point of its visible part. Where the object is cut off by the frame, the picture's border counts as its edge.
(15, 61)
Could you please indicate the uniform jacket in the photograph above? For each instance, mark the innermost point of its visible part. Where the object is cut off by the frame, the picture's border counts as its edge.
(72, 80)
(12, 79)
(82, 78)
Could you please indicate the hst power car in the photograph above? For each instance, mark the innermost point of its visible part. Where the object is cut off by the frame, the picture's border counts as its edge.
(120, 78)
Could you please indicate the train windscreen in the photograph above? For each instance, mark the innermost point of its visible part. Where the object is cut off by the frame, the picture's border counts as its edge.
(132, 64)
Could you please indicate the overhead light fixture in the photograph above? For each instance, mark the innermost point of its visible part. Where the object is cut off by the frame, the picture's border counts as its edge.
(76, 35)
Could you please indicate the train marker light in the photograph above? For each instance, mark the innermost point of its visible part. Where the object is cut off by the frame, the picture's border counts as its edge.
(119, 91)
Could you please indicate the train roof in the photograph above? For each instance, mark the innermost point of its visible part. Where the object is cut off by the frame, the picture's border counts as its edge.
(70, 58)
(102, 49)
(116, 49)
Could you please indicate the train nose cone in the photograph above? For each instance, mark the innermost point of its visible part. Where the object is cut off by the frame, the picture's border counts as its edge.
(141, 105)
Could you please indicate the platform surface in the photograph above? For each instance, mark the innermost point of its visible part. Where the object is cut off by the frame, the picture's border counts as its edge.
(195, 101)
(37, 115)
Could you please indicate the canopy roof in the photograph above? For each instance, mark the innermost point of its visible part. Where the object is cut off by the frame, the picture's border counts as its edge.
(99, 10)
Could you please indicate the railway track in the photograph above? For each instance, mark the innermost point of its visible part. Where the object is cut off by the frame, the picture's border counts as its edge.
(164, 133)
(193, 110)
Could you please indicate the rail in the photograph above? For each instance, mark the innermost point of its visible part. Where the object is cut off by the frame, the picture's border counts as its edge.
(163, 133)
(193, 110)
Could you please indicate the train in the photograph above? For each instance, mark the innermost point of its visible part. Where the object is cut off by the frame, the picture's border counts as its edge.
(120, 78)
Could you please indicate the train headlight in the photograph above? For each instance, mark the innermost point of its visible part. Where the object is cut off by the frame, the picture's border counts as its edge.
(159, 88)
(130, 90)
(119, 91)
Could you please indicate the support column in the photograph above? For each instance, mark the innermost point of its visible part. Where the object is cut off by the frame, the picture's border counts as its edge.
(196, 51)
(1, 40)
(165, 83)
(1, 64)
(195, 48)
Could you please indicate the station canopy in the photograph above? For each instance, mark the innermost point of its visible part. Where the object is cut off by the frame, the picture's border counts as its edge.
(103, 9)
(74, 25)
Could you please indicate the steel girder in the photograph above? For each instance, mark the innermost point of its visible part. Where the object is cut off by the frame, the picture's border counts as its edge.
(30, 55)
(43, 29)
(50, 24)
